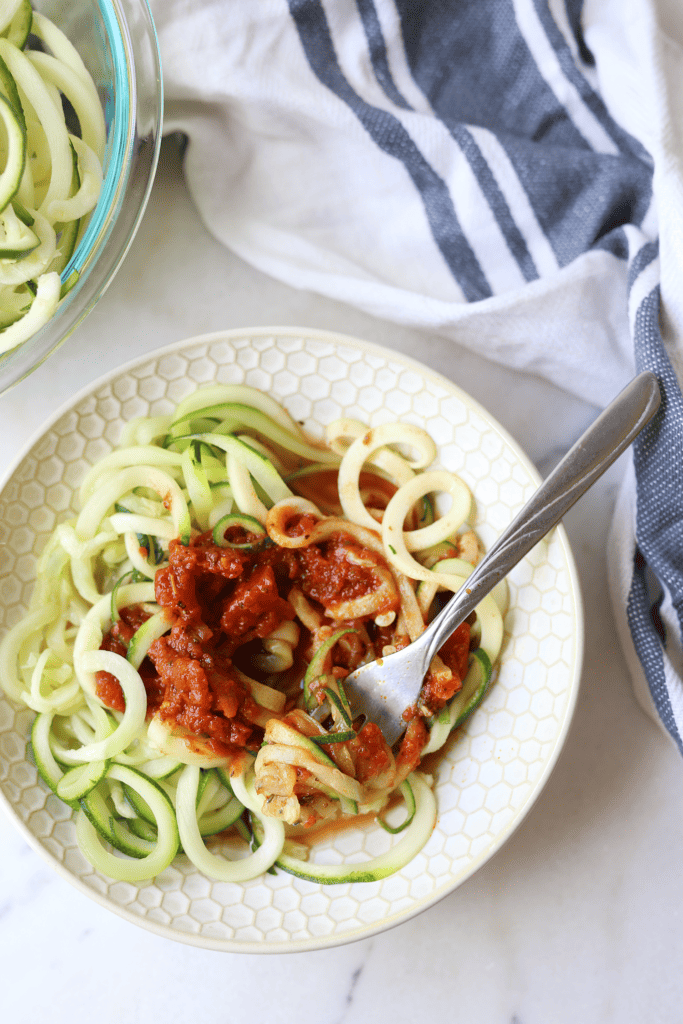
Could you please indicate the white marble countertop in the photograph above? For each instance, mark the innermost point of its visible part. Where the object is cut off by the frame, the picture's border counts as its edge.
(575, 920)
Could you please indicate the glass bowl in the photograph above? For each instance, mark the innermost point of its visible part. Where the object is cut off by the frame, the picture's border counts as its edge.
(117, 41)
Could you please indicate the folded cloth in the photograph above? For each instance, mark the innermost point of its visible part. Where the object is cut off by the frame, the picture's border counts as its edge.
(507, 174)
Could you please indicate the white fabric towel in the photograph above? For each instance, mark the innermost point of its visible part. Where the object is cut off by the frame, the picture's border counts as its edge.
(507, 174)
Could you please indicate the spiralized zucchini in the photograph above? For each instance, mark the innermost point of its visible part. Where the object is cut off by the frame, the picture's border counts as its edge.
(190, 630)
(51, 163)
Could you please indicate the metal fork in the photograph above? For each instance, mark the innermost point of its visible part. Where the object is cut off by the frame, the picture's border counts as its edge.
(384, 689)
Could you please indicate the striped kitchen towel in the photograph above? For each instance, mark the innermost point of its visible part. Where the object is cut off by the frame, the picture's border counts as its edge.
(504, 172)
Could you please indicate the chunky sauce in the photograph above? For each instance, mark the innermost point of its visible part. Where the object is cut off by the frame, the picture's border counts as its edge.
(329, 575)
(372, 756)
(219, 599)
(107, 686)
(455, 654)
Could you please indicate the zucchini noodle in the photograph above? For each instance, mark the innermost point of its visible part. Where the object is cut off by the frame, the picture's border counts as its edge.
(51, 173)
(190, 630)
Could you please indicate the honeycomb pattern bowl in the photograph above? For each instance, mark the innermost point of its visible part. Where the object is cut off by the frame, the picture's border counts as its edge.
(494, 767)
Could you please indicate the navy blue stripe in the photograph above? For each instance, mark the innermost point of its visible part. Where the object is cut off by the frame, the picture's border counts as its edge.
(378, 53)
(615, 242)
(625, 142)
(488, 184)
(391, 137)
(496, 200)
(472, 62)
(658, 461)
(579, 197)
(574, 9)
(475, 68)
(645, 255)
(648, 647)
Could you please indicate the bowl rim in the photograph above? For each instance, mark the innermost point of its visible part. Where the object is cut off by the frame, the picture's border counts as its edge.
(540, 782)
(118, 143)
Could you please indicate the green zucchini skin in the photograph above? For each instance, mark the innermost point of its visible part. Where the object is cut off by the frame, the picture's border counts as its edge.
(413, 839)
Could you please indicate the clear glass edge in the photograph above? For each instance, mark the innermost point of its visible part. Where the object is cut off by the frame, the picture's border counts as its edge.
(117, 234)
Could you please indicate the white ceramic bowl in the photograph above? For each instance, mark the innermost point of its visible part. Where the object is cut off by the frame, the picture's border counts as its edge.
(494, 768)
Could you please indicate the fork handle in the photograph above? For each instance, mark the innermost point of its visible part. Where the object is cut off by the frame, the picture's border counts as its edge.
(604, 441)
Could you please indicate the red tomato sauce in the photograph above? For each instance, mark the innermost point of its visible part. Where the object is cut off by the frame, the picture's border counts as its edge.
(414, 740)
(219, 599)
(329, 576)
(107, 686)
(322, 488)
(455, 654)
(372, 755)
